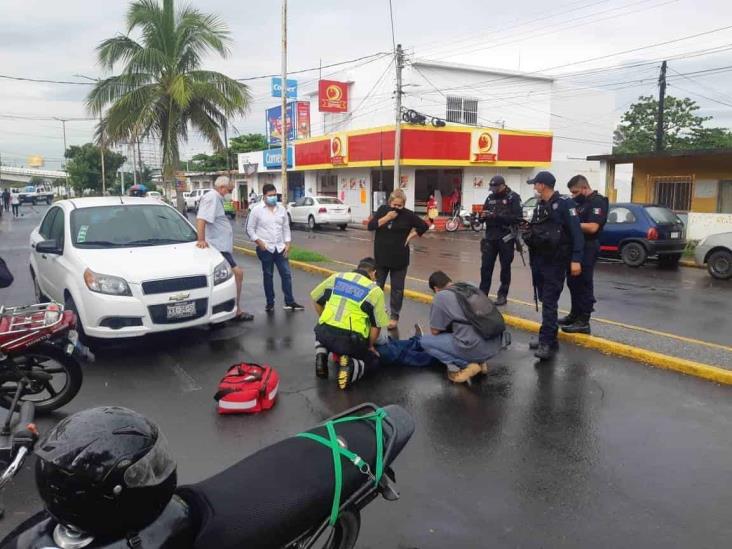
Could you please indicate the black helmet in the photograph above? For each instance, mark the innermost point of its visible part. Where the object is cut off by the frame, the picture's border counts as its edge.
(105, 471)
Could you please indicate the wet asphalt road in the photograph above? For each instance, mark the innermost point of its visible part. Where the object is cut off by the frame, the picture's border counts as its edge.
(685, 301)
(588, 451)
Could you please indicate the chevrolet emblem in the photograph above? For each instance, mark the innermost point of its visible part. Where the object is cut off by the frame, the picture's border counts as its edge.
(179, 297)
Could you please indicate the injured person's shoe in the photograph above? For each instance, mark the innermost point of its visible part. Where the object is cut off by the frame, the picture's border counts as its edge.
(464, 375)
(321, 365)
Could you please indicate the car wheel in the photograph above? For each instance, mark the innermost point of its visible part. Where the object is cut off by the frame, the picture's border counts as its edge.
(39, 295)
(633, 254)
(719, 264)
(343, 227)
(669, 261)
(69, 305)
(312, 225)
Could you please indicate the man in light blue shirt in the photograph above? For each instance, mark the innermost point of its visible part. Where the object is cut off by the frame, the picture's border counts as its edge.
(214, 229)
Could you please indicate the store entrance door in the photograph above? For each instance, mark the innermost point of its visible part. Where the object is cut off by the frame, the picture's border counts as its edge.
(445, 185)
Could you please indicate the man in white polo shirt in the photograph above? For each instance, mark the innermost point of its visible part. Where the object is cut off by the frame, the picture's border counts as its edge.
(214, 229)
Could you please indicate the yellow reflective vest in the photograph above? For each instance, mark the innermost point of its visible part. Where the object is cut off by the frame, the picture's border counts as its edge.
(352, 297)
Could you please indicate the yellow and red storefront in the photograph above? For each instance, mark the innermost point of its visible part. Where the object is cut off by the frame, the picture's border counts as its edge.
(357, 166)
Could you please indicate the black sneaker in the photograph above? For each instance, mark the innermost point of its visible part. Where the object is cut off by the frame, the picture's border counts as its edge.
(567, 320)
(579, 326)
(545, 352)
(321, 365)
(293, 307)
(269, 308)
(501, 301)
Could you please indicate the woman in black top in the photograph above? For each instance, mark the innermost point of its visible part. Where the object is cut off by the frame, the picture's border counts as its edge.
(395, 226)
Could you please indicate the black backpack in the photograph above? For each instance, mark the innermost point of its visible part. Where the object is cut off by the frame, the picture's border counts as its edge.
(481, 312)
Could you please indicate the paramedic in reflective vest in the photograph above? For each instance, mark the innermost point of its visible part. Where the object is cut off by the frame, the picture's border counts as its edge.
(501, 215)
(556, 244)
(352, 312)
(592, 210)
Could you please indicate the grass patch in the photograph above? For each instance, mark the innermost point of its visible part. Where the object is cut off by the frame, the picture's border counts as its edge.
(301, 254)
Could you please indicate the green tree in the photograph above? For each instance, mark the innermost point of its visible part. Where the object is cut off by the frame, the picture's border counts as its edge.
(161, 90)
(710, 138)
(682, 127)
(84, 167)
(217, 161)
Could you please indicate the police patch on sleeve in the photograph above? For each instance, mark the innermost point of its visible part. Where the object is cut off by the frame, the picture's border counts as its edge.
(573, 211)
(597, 211)
(555, 205)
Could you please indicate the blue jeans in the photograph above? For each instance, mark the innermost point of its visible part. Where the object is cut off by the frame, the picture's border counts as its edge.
(443, 348)
(269, 261)
(405, 352)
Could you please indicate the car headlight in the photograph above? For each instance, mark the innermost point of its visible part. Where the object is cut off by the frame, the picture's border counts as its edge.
(106, 284)
(222, 273)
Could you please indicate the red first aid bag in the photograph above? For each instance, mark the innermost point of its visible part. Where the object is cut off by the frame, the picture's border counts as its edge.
(247, 389)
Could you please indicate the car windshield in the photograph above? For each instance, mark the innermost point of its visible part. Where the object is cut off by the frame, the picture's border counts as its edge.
(328, 200)
(661, 215)
(124, 226)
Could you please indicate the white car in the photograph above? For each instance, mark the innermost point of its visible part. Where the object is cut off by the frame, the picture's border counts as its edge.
(193, 198)
(319, 210)
(128, 267)
(154, 194)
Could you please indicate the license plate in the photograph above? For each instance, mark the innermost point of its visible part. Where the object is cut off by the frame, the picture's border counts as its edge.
(73, 337)
(182, 310)
(676, 234)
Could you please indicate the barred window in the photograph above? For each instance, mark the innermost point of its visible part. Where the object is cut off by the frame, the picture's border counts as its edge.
(462, 110)
(674, 192)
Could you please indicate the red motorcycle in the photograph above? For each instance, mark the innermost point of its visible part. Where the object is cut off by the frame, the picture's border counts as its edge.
(39, 346)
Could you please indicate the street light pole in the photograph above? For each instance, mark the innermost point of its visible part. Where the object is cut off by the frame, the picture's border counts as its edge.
(283, 93)
(398, 126)
(101, 138)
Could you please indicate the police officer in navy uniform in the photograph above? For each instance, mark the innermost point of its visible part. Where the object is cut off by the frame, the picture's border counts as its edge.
(556, 244)
(501, 213)
(592, 210)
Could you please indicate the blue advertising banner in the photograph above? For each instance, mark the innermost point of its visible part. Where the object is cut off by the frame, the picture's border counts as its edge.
(273, 158)
(277, 87)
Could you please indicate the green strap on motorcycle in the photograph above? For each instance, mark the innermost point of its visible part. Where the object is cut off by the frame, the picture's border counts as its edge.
(337, 450)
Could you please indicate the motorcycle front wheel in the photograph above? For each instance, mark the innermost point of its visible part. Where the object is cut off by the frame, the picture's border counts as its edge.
(477, 225)
(452, 225)
(36, 364)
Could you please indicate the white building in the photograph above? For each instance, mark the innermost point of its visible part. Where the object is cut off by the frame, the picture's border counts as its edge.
(532, 123)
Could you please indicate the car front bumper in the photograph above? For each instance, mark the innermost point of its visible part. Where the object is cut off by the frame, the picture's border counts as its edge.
(108, 317)
(700, 254)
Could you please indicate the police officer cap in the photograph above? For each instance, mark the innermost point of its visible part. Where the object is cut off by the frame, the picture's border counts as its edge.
(543, 177)
(497, 181)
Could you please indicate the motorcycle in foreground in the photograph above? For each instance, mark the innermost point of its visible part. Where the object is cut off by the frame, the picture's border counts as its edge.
(305, 491)
(39, 347)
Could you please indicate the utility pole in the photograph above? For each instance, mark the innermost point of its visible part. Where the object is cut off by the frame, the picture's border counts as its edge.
(283, 139)
(661, 106)
(63, 126)
(398, 128)
(101, 138)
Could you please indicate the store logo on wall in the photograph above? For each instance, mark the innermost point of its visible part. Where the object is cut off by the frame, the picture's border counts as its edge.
(338, 150)
(332, 96)
(484, 146)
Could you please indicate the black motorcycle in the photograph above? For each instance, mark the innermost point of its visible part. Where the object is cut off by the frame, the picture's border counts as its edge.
(305, 491)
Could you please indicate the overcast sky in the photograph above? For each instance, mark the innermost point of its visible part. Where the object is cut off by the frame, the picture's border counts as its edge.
(56, 39)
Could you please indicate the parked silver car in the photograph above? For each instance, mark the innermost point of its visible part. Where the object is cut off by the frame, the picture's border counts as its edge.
(716, 251)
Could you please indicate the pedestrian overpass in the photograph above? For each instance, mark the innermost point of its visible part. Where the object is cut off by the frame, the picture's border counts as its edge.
(17, 177)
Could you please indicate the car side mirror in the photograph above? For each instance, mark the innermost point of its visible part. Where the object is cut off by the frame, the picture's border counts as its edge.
(49, 247)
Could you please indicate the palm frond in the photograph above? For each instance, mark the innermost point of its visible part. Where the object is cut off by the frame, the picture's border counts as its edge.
(201, 33)
(119, 49)
(204, 123)
(111, 89)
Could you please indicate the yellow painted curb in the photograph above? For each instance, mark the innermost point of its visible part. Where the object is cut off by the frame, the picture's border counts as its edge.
(688, 263)
(606, 346)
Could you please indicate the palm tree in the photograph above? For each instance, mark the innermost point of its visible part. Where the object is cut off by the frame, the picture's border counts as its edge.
(162, 91)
